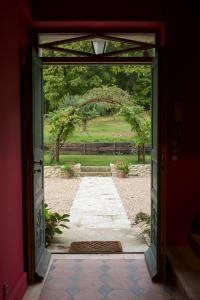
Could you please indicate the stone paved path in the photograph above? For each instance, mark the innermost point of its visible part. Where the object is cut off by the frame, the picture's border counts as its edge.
(98, 205)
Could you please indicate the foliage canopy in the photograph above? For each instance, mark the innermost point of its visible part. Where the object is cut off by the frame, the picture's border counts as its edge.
(62, 81)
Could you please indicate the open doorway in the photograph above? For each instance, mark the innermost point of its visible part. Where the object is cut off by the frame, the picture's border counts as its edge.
(91, 94)
(100, 178)
(123, 56)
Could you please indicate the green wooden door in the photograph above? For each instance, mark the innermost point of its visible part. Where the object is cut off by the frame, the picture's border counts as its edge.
(152, 255)
(41, 256)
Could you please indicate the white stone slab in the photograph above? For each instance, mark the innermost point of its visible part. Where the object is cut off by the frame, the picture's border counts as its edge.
(98, 205)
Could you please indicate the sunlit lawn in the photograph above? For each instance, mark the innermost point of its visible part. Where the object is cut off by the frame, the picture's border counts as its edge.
(95, 160)
(101, 129)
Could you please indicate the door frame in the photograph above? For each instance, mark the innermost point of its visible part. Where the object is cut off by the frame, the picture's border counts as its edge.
(27, 130)
(27, 153)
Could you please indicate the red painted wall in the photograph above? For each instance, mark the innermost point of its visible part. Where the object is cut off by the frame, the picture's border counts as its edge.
(101, 11)
(181, 83)
(11, 238)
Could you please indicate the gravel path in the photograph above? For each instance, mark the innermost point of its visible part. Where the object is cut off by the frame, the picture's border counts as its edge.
(135, 194)
(59, 193)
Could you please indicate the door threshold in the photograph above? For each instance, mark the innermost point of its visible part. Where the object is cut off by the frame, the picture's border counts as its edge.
(106, 253)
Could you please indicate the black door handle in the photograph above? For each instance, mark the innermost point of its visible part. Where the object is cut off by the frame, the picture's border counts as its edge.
(38, 162)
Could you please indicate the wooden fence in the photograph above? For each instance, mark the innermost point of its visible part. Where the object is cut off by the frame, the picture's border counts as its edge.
(99, 148)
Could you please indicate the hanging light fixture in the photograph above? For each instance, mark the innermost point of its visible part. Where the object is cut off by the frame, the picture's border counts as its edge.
(99, 46)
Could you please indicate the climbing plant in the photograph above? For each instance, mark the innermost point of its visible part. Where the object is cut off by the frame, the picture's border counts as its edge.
(141, 124)
(63, 121)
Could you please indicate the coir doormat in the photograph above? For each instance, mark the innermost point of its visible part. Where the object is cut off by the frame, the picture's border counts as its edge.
(96, 247)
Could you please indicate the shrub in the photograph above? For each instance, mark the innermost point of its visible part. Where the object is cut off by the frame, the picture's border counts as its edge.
(68, 169)
(122, 166)
(53, 223)
(142, 217)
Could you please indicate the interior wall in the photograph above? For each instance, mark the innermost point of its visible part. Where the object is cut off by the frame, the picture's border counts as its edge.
(102, 11)
(13, 39)
(183, 80)
(182, 53)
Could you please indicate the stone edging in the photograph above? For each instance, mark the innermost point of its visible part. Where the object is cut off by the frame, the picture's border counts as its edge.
(134, 170)
(57, 171)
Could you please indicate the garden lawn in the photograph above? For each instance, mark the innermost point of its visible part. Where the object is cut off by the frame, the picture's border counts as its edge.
(101, 129)
(95, 160)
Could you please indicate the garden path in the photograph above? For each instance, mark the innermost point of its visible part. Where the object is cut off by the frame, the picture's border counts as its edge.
(98, 205)
(97, 212)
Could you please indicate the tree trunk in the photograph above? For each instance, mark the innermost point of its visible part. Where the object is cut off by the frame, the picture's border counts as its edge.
(57, 150)
(58, 145)
(139, 153)
(143, 154)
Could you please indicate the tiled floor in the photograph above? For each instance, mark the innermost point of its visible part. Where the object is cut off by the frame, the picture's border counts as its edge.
(114, 277)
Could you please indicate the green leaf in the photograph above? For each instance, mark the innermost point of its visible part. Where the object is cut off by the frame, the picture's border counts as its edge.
(65, 216)
(57, 230)
(64, 225)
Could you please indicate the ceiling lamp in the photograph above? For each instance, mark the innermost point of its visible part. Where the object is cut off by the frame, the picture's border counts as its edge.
(99, 46)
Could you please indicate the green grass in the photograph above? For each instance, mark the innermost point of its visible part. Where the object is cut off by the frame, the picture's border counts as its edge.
(101, 129)
(95, 160)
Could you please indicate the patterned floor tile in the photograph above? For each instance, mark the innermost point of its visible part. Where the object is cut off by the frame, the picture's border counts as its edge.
(55, 295)
(102, 279)
(121, 295)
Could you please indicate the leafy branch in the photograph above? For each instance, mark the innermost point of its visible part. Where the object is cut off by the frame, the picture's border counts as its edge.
(53, 222)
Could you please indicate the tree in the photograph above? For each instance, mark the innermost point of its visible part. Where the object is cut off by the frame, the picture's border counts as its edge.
(108, 92)
(140, 123)
(62, 123)
(64, 120)
(54, 86)
(142, 86)
(60, 81)
(107, 99)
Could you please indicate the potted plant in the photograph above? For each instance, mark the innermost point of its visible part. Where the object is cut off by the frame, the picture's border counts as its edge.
(54, 222)
(122, 169)
(68, 171)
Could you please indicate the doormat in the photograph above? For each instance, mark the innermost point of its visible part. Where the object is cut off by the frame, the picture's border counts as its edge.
(96, 247)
